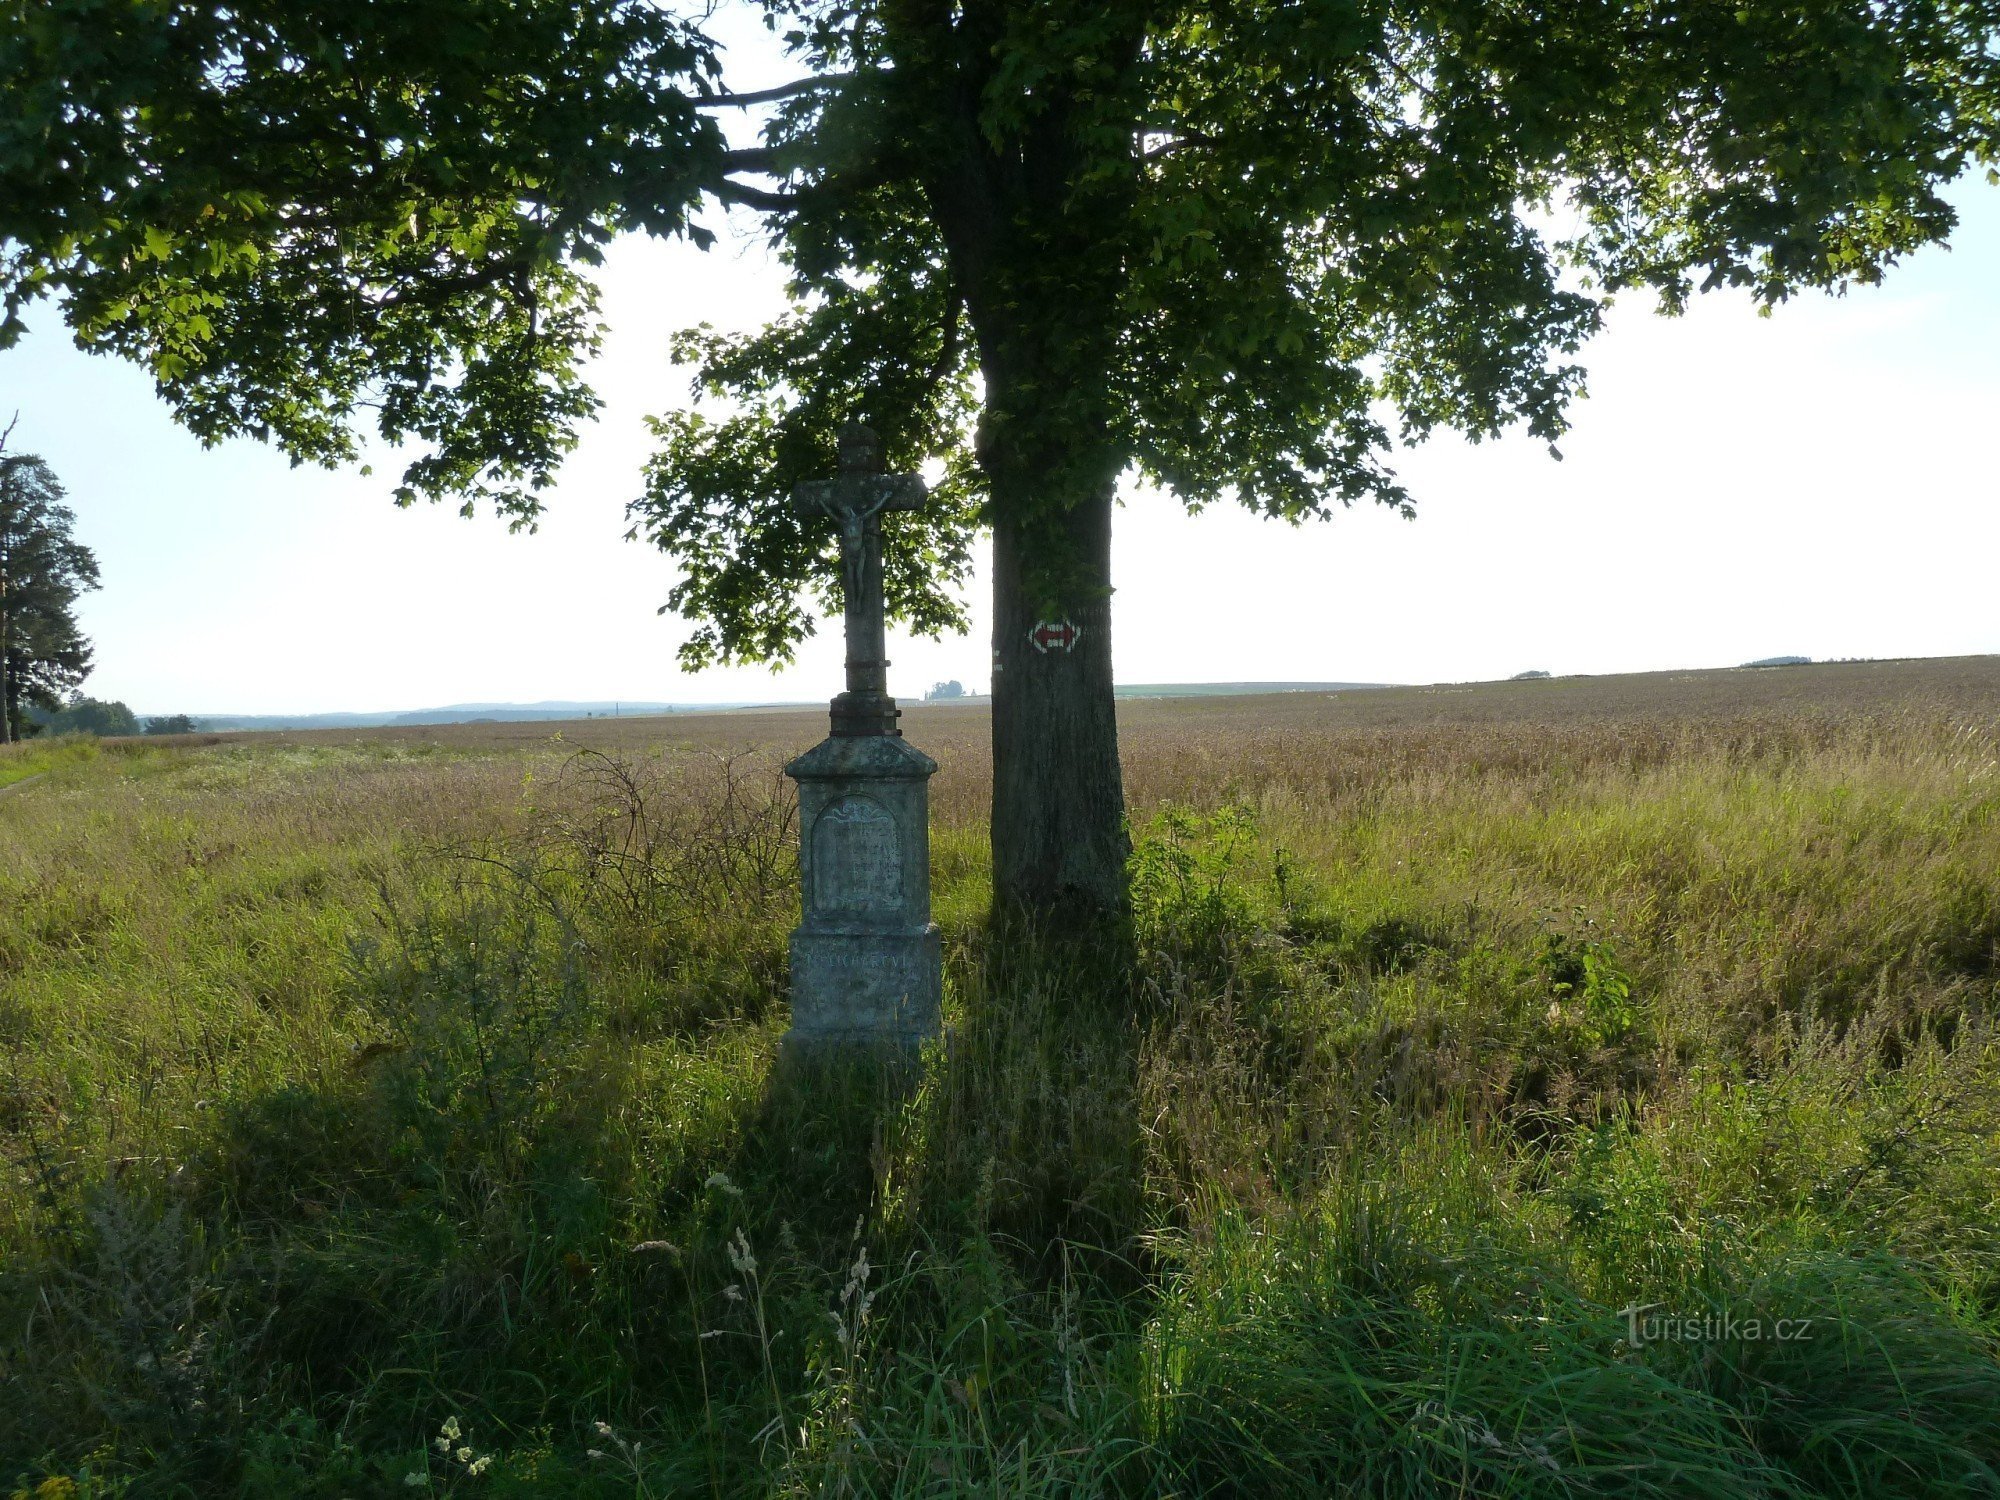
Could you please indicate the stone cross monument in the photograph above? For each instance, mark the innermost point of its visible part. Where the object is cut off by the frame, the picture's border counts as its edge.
(866, 964)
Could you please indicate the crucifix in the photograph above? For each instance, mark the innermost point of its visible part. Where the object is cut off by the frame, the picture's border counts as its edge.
(858, 499)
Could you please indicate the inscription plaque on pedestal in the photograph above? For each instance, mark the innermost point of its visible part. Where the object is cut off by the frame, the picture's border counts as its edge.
(856, 866)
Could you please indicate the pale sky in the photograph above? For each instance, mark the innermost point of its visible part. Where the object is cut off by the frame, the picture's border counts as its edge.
(1820, 483)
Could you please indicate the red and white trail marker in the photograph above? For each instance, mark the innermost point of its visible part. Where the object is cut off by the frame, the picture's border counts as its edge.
(1055, 635)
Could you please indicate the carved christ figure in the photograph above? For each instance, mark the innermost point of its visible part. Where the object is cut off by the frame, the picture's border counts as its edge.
(857, 500)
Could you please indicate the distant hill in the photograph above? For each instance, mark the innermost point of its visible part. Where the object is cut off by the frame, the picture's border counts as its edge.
(1232, 689)
(1373, 702)
(514, 713)
(456, 713)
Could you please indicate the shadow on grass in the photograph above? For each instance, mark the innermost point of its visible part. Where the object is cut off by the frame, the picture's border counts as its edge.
(507, 1218)
(1020, 1125)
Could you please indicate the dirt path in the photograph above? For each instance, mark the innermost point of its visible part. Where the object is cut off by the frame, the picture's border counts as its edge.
(15, 786)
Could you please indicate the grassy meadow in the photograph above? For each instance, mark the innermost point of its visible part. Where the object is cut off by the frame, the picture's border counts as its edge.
(1582, 1087)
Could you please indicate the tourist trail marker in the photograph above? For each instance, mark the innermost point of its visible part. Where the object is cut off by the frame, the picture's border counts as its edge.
(1054, 635)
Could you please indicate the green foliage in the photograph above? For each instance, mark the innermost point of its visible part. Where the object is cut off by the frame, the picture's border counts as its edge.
(91, 716)
(1188, 889)
(1225, 247)
(1222, 246)
(1587, 984)
(290, 212)
(883, 341)
(170, 724)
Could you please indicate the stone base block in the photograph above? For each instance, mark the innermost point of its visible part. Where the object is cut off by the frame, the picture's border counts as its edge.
(873, 988)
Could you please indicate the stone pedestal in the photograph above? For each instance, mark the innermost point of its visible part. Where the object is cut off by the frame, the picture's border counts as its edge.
(866, 964)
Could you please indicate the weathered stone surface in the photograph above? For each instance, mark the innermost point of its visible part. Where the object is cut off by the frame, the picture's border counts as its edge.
(867, 967)
(866, 961)
(868, 988)
(885, 757)
(857, 865)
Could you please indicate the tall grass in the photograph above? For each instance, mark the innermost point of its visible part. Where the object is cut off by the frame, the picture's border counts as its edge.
(388, 1117)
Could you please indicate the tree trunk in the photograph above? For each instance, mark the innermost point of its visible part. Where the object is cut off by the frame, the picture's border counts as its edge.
(6, 654)
(6, 578)
(1059, 838)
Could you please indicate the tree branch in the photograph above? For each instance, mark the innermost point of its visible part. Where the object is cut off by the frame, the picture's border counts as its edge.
(761, 159)
(432, 289)
(1170, 146)
(781, 91)
(757, 198)
(941, 368)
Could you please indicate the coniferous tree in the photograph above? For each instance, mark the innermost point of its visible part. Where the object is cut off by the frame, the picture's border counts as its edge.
(44, 570)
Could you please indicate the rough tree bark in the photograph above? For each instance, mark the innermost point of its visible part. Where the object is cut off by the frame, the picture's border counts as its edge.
(6, 603)
(1059, 839)
(6, 641)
